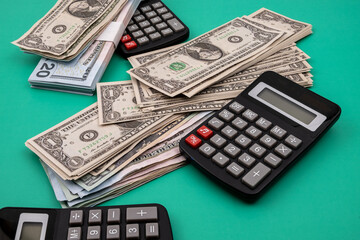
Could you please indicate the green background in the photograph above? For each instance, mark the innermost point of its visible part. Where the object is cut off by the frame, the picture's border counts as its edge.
(319, 198)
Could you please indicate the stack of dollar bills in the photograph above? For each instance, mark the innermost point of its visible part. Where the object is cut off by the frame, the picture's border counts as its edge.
(131, 135)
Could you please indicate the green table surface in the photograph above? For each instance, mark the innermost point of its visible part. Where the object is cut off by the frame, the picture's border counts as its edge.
(319, 198)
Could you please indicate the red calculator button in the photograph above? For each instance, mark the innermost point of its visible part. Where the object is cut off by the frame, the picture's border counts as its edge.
(193, 141)
(126, 38)
(130, 45)
(205, 132)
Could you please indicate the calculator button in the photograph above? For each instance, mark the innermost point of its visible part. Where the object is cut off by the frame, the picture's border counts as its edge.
(126, 38)
(130, 45)
(236, 107)
(141, 214)
(160, 26)
(246, 160)
(144, 24)
(149, 30)
(207, 150)
(226, 115)
(139, 18)
(93, 232)
(272, 160)
(257, 150)
(167, 32)
(138, 34)
(277, 132)
(157, 5)
(193, 141)
(283, 150)
(150, 14)
(220, 159)
(74, 233)
(131, 22)
(145, 9)
(95, 216)
(113, 215)
(215, 123)
(234, 170)
(76, 217)
(137, 12)
(143, 40)
(256, 175)
(263, 123)
(152, 230)
(133, 27)
(232, 150)
(155, 20)
(243, 141)
(161, 10)
(132, 231)
(249, 115)
(229, 132)
(112, 232)
(239, 123)
(167, 16)
(155, 36)
(293, 141)
(218, 141)
(253, 132)
(205, 132)
(175, 25)
(267, 141)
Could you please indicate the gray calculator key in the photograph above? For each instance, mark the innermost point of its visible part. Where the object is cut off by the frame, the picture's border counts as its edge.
(152, 230)
(267, 141)
(283, 150)
(93, 232)
(74, 233)
(175, 25)
(272, 160)
(257, 150)
(143, 40)
(293, 141)
(141, 214)
(132, 231)
(139, 18)
(161, 10)
(243, 141)
(157, 5)
(263, 123)
(76, 217)
(144, 24)
(130, 22)
(216, 123)
(133, 27)
(218, 141)
(207, 150)
(151, 14)
(239, 123)
(149, 30)
(113, 215)
(112, 232)
(160, 26)
(232, 150)
(167, 32)
(256, 175)
(229, 132)
(145, 9)
(253, 132)
(249, 115)
(277, 132)
(138, 34)
(226, 115)
(236, 107)
(235, 170)
(220, 159)
(155, 36)
(246, 160)
(137, 12)
(167, 16)
(95, 216)
(155, 20)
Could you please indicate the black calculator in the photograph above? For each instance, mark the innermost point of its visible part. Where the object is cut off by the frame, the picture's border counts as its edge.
(252, 140)
(152, 27)
(145, 221)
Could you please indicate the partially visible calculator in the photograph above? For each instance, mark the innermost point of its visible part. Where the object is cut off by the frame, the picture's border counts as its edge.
(152, 27)
(145, 221)
(256, 137)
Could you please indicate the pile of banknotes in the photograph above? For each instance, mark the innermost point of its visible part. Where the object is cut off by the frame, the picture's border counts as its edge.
(131, 135)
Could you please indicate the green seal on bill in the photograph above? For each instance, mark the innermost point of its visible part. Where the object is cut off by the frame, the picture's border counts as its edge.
(177, 66)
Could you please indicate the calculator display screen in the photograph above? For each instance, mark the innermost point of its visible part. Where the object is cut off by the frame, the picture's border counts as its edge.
(287, 106)
(31, 231)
